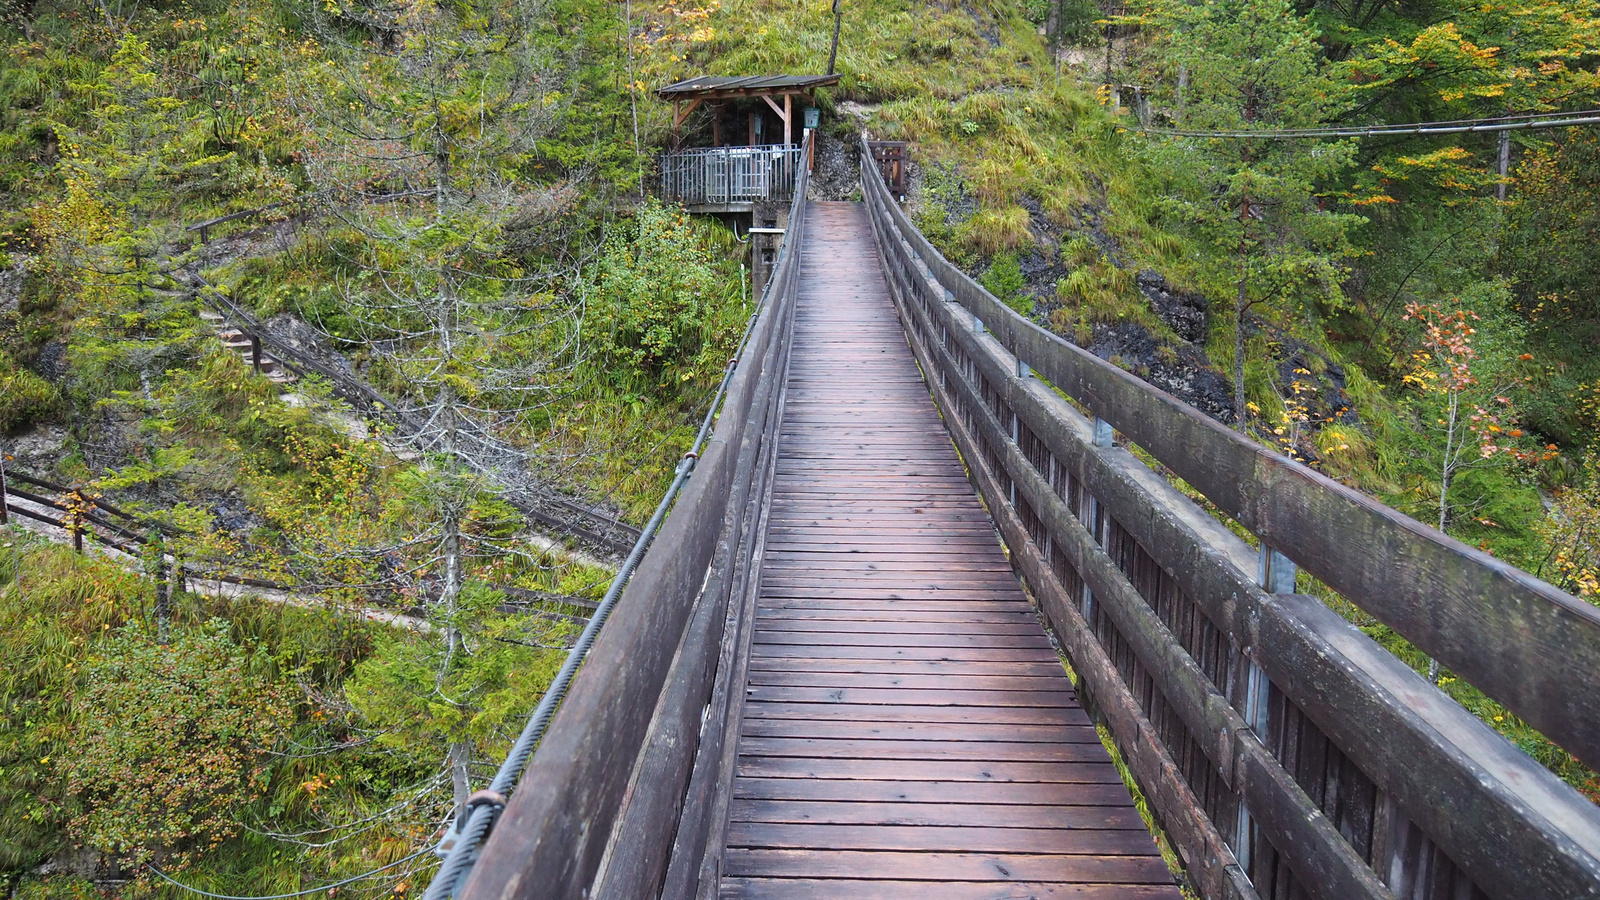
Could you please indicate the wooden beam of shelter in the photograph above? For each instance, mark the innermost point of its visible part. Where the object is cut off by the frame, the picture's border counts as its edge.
(784, 114)
(680, 113)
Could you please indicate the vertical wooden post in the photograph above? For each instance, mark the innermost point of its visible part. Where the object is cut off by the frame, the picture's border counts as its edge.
(75, 519)
(788, 119)
(5, 516)
(1275, 573)
(255, 353)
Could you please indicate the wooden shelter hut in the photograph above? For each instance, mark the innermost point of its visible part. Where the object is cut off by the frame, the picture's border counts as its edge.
(757, 126)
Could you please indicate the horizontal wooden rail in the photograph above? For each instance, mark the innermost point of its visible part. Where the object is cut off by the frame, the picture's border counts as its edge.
(1286, 753)
(606, 796)
(1529, 645)
(205, 227)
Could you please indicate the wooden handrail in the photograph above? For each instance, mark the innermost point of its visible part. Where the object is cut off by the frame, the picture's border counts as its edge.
(1526, 643)
(620, 753)
(1269, 734)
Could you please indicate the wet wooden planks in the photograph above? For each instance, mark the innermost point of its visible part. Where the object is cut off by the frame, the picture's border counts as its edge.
(908, 729)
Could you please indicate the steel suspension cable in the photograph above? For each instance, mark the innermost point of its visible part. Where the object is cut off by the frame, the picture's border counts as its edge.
(1530, 122)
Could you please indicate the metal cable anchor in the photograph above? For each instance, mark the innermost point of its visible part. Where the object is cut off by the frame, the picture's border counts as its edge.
(485, 797)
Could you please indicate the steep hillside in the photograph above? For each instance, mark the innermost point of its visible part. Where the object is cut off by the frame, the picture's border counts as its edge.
(447, 207)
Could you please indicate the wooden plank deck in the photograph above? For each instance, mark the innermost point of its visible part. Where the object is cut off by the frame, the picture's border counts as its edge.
(908, 730)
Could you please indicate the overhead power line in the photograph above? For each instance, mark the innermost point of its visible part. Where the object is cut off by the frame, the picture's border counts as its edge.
(1456, 126)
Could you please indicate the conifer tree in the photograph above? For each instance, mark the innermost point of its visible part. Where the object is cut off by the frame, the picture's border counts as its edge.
(1252, 66)
(112, 233)
(417, 131)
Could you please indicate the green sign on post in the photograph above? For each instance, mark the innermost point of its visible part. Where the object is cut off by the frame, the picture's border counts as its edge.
(813, 117)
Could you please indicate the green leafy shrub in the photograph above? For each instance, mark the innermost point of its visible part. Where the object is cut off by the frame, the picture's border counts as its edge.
(663, 308)
(1004, 279)
(171, 741)
(53, 605)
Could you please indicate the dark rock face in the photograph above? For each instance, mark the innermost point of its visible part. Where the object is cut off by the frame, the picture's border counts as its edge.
(1041, 272)
(1323, 395)
(234, 515)
(837, 173)
(1183, 371)
(51, 363)
(1186, 314)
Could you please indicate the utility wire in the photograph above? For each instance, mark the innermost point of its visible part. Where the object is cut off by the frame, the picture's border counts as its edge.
(305, 893)
(1457, 126)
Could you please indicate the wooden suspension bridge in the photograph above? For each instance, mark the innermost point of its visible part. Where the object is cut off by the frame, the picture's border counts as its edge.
(838, 671)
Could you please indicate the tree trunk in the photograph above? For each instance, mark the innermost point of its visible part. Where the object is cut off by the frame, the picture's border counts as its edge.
(461, 772)
(1111, 92)
(1447, 463)
(1183, 90)
(833, 51)
(163, 612)
(157, 566)
(1241, 307)
(1240, 412)
(450, 596)
(1505, 165)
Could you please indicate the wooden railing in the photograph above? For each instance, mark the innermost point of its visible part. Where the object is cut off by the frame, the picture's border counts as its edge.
(1285, 753)
(635, 766)
(731, 174)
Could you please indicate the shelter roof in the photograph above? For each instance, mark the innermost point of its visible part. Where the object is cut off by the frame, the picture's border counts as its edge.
(708, 87)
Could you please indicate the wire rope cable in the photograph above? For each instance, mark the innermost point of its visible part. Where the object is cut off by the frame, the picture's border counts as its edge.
(1532, 121)
(373, 873)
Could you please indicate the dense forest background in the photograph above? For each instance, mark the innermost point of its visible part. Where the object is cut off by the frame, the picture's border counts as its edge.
(454, 209)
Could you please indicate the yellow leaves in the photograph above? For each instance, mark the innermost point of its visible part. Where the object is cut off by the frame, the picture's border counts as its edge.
(1437, 158)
